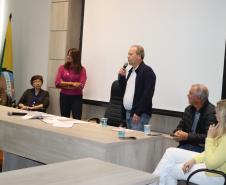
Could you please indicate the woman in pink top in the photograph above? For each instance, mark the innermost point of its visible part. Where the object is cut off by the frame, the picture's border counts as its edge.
(71, 79)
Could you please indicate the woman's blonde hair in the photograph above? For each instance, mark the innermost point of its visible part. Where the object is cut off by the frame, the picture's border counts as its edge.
(221, 116)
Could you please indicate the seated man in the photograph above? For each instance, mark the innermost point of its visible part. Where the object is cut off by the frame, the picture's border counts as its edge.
(177, 164)
(192, 129)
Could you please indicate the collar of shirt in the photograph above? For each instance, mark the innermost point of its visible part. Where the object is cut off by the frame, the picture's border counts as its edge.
(136, 69)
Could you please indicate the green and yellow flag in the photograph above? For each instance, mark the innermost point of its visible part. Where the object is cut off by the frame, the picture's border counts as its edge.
(6, 65)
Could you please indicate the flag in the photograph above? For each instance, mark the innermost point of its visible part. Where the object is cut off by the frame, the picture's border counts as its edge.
(6, 65)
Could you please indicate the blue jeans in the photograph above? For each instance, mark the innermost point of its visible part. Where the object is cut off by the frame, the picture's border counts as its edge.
(144, 119)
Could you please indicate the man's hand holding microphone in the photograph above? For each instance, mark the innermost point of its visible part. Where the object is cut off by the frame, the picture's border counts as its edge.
(122, 71)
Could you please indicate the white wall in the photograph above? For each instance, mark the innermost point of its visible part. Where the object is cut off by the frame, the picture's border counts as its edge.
(184, 42)
(3, 21)
(30, 27)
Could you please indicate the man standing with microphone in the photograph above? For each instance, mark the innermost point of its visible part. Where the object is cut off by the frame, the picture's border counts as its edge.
(138, 88)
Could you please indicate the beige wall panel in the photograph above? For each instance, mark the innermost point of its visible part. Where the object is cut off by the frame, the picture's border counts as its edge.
(59, 16)
(57, 44)
(54, 1)
(165, 124)
(74, 23)
(53, 66)
(159, 123)
(92, 111)
(54, 107)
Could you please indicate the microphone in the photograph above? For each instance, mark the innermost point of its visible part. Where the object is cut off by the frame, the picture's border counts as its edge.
(125, 65)
(17, 113)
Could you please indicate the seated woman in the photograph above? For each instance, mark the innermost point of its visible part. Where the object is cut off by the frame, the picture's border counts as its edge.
(177, 164)
(3, 96)
(35, 99)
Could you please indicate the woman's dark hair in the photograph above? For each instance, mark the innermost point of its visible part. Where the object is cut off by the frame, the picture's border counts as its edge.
(76, 60)
(36, 77)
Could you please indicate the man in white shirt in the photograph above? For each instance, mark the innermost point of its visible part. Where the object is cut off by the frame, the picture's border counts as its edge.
(138, 87)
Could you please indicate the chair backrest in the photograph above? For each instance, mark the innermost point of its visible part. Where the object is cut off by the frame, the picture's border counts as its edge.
(206, 170)
(114, 108)
(5, 99)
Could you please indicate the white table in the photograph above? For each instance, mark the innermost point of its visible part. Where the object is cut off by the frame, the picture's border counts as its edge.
(41, 142)
(86, 171)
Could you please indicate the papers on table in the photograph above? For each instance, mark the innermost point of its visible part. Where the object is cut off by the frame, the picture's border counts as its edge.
(56, 121)
(33, 115)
